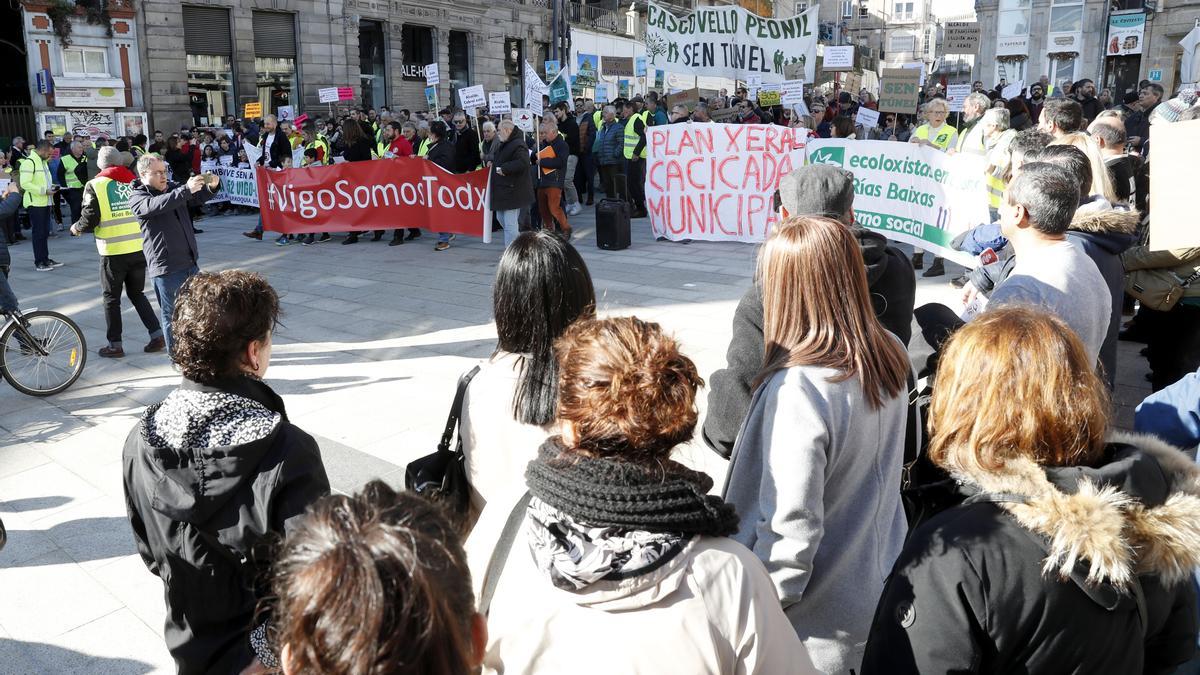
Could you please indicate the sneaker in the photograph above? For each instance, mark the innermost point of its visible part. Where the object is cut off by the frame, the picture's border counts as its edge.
(324, 238)
(415, 234)
(157, 344)
(43, 267)
(253, 235)
(352, 239)
(441, 246)
(396, 241)
(306, 241)
(453, 237)
(196, 230)
(282, 240)
(54, 263)
(918, 261)
(112, 352)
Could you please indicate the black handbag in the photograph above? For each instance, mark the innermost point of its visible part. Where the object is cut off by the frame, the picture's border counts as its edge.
(442, 476)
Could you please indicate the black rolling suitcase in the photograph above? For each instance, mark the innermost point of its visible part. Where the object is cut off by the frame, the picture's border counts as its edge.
(612, 225)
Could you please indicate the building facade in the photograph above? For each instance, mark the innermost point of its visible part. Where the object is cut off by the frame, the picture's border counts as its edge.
(84, 68)
(280, 53)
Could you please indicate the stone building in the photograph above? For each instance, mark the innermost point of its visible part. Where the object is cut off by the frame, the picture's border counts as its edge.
(209, 58)
(83, 67)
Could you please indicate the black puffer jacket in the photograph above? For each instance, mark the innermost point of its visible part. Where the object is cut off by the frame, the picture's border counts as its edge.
(1036, 572)
(893, 285)
(213, 475)
(513, 189)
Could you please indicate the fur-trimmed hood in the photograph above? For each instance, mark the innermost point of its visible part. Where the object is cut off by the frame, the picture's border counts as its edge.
(1138, 513)
(1105, 221)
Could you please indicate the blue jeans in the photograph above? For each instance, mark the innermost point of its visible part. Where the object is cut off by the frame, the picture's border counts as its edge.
(511, 220)
(166, 287)
(39, 222)
(443, 236)
(8, 299)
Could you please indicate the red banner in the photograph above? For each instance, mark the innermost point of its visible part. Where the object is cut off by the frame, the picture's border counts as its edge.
(383, 194)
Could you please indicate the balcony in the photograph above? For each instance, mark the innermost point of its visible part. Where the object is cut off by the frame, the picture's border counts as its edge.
(602, 19)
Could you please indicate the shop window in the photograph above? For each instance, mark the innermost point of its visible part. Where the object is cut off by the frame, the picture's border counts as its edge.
(275, 59)
(460, 60)
(208, 46)
(85, 62)
(418, 50)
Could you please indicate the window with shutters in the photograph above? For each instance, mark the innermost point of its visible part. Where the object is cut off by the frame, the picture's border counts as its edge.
(275, 59)
(208, 44)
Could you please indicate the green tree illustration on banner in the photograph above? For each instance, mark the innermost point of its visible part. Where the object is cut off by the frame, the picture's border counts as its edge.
(656, 45)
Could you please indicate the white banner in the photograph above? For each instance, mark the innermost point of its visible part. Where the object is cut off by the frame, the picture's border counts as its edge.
(535, 88)
(716, 181)
(472, 97)
(498, 103)
(728, 41)
(911, 193)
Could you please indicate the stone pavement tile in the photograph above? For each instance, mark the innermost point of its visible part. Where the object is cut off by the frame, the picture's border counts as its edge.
(17, 456)
(128, 580)
(115, 644)
(93, 533)
(349, 469)
(49, 595)
(25, 545)
(40, 492)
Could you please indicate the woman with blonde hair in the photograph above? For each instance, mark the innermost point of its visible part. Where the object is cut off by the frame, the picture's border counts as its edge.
(815, 473)
(1074, 549)
(1101, 181)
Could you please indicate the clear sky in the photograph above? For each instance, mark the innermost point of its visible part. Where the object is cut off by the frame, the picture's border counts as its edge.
(953, 7)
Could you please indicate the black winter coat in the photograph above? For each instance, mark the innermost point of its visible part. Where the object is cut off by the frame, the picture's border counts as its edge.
(280, 147)
(169, 241)
(1104, 236)
(556, 165)
(213, 476)
(892, 283)
(969, 593)
(513, 190)
(466, 152)
(442, 154)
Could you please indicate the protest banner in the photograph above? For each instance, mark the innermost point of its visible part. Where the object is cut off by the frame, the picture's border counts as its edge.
(359, 196)
(286, 113)
(1013, 90)
(237, 186)
(616, 66)
(900, 90)
(791, 92)
(432, 77)
(535, 88)
(523, 119)
(552, 68)
(328, 95)
(1176, 147)
(716, 181)
(587, 70)
(837, 58)
(252, 110)
(910, 193)
(472, 98)
(729, 41)
(869, 119)
(956, 94)
(960, 37)
(499, 103)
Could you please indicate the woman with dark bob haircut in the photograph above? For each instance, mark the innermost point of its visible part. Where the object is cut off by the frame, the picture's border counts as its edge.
(376, 583)
(1074, 549)
(622, 562)
(542, 286)
(216, 471)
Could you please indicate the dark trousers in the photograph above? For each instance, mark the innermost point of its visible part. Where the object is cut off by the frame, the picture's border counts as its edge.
(74, 199)
(1173, 342)
(127, 271)
(585, 175)
(613, 181)
(39, 221)
(635, 177)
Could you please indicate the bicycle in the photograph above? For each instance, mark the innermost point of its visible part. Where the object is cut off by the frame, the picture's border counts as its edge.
(41, 352)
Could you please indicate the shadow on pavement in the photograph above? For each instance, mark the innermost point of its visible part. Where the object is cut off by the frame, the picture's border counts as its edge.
(35, 657)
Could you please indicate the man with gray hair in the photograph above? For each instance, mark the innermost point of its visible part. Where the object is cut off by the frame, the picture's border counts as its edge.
(170, 247)
(73, 174)
(970, 137)
(1109, 132)
(812, 190)
(119, 240)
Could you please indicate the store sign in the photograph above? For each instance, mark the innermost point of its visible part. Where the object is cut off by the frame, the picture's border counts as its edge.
(1063, 42)
(1125, 33)
(961, 37)
(413, 71)
(1017, 45)
(109, 97)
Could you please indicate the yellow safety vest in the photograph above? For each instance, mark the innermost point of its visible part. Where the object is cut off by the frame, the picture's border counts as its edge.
(943, 139)
(597, 120)
(35, 180)
(631, 137)
(69, 164)
(381, 149)
(995, 188)
(424, 150)
(323, 145)
(118, 232)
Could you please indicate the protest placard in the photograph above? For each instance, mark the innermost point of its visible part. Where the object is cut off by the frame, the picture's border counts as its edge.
(769, 95)
(603, 93)
(499, 103)
(851, 82)
(359, 196)
(869, 119)
(791, 92)
(716, 181)
(617, 66)
(587, 69)
(431, 97)
(523, 118)
(560, 88)
(900, 90)
(1176, 147)
(639, 66)
(285, 113)
(328, 95)
(960, 37)
(800, 108)
(688, 98)
(226, 160)
(911, 193)
(1013, 90)
(252, 110)
(753, 81)
(729, 41)
(552, 68)
(472, 98)
(345, 93)
(723, 115)
(432, 77)
(956, 94)
(837, 58)
(535, 88)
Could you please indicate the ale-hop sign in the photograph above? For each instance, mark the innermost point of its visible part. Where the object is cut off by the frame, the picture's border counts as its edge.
(910, 193)
(716, 181)
(728, 41)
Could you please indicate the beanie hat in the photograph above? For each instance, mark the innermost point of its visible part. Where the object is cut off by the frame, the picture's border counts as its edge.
(107, 156)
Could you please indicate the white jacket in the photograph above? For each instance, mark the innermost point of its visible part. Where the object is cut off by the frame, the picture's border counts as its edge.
(710, 609)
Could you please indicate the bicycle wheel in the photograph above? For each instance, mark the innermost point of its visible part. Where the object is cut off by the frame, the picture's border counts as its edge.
(33, 373)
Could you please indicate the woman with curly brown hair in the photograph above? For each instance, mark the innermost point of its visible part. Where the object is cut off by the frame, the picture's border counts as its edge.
(216, 471)
(623, 562)
(1074, 549)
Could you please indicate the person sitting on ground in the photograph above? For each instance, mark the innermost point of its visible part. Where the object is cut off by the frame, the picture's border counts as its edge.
(615, 539)
(813, 190)
(1070, 535)
(376, 583)
(215, 471)
(822, 449)
(542, 287)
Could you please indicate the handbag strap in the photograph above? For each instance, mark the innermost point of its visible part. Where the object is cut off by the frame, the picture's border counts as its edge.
(500, 556)
(456, 409)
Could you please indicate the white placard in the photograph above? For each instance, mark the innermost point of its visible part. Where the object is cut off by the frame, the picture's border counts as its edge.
(431, 75)
(836, 58)
(286, 113)
(472, 98)
(956, 94)
(753, 81)
(800, 108)
(328, 95)
(791, 92)
(603, 95)
(252, 152)
(1013, 90)
(226, 160)
(523, 119)
(499, 103)
(869, 119)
